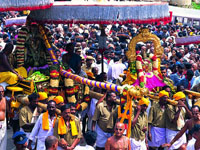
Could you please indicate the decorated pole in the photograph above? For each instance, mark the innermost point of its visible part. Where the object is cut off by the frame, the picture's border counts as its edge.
(93, 83)
(133, 91)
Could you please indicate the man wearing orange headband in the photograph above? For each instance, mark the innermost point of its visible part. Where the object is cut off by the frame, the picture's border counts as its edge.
(139, 125)
(175, 120)
(157, 115)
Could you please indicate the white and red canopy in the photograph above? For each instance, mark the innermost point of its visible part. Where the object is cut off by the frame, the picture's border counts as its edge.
(103, 13)
(18, 5)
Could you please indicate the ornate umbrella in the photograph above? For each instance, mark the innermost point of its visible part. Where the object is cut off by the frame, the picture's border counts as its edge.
(18, 5)
(101, 13)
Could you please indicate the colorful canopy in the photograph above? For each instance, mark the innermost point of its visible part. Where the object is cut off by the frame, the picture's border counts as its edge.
(103, 13)
(18, 5)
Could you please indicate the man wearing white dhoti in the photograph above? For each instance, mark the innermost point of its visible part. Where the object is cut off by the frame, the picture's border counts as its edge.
(175, 120)
(100, 119)
(156, 120)
(193, 125)
(139, 125)
(44, 126)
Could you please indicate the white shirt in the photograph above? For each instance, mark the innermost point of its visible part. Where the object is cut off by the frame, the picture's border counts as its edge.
(40, 133)
(86, 147)
(99, 66)
(115, 70)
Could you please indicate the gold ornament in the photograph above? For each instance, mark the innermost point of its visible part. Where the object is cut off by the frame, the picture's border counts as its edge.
(144, 36)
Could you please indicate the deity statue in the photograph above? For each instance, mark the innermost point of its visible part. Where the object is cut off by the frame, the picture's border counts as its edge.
(144, 71)
(35, 49)
(31, 51)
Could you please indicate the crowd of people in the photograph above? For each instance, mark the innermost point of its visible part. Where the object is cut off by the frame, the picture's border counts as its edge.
(154, 124)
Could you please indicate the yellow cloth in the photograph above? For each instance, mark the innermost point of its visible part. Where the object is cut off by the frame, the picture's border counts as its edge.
(143, 101)
(197, 103)
(45, 121)
(42, 95)
(90, 74)
(62, 129)
(163, 93)
(58, 99)
(12, 78)
(178, 96)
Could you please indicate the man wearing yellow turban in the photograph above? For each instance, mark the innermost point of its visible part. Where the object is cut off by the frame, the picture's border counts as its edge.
(42, 97)
(163, 93)
(59, 101)
(156, 120)
(175, 120)
(139, 125)
(67, 130)
(179, 96)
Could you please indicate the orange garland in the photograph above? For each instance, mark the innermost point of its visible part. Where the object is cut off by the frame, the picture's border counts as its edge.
(124, 115)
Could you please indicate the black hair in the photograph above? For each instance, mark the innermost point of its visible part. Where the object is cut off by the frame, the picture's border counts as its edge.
(190, 73)
(162, 68)
(69, 45)
(5, 36)
(179, 88)
(33, 96)
(90, 137)
(72, 104)
(64, 107)
(109, 94)
(8, 46)
(50, 101)
(166, 86)
(194, 106)
(181, 66)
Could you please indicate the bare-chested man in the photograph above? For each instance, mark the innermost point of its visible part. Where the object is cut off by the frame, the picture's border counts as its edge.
(3, 135)
(71, 59)
(189, 125)
(118, 141)
(7, 73)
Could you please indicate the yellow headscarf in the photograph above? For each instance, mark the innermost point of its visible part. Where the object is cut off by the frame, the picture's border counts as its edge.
(58, 99)
(42, 96)
(178, 96)
(163, 93)
(143, 101)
